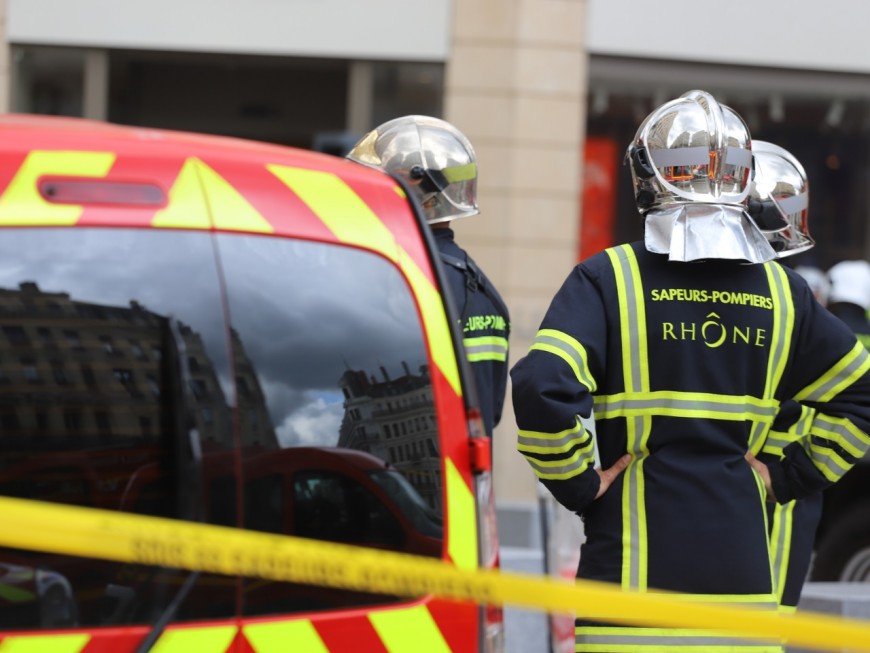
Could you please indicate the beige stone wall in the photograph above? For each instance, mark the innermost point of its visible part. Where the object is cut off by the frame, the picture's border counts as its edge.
(4, 61)
(516, 85)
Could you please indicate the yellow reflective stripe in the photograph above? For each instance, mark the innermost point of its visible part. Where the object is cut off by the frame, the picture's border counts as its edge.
(215, 639)
(665, 640)
(353, 222)
(828, 462)
(568, 349)
(339, 207)
(843, 432)
(542, 442)
(565, 467)
(611, 639)
(44, 643)
(281, 636)
(186, 208)
(461, 519)
(435, 321)
(635, 369)
(685, 404)
(780, 345)
(228, 207)
(842, 374)
(483, 348)
(21, 203)
(780, 544)
(783, 325)
(460, 173)
(779, 440)
(409, 630)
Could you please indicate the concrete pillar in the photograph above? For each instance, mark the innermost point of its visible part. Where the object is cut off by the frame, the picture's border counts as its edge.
(360, 96)
(5, 76)
(516, 86)
(95, 94)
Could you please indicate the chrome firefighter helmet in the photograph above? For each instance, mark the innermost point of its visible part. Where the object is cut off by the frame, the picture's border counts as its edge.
(691, 167)
(689, 150)
(780, 192)
(432, 156)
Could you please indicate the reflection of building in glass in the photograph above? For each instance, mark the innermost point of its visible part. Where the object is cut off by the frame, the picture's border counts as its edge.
(394, 419)
(255, 424)
(83, 375)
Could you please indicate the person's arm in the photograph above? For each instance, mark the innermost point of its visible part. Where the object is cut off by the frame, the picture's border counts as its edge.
(833, 376)
(553, 385)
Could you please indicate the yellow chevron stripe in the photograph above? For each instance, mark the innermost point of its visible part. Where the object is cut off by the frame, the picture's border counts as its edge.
(353, 222)
(409, 630)
(461, 519)
(299, 636)
(229, 209)
(187, 208)
(45, 643)
(214, 639)
(21, 203)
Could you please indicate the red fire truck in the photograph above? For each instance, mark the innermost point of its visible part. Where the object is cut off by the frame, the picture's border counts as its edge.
(184, 316)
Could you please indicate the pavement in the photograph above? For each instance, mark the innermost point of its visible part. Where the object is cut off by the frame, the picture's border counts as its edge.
(526, 631)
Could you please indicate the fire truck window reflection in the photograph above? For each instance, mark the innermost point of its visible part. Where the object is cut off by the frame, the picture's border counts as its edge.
(336, 508)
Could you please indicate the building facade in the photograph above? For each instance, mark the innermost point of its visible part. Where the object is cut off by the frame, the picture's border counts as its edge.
(549, 91)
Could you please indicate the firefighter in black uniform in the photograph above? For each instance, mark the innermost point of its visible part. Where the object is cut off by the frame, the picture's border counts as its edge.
(438, 163)
(686, 345)
(780, 190)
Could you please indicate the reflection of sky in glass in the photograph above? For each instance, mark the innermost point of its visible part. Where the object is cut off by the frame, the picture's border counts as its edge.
(168, 273)
(306, 313)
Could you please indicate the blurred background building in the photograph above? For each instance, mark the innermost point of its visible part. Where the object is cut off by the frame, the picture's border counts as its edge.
(549, 91)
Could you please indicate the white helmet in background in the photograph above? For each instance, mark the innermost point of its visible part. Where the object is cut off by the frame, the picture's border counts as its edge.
(780, 192)
(850, 283)
(432, 156)
(691, 167)
(817, 280)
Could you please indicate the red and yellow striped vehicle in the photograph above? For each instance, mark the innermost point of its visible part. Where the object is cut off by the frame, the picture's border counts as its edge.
(184, 319)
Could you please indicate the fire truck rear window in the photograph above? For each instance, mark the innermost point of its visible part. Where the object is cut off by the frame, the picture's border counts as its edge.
(297, 370)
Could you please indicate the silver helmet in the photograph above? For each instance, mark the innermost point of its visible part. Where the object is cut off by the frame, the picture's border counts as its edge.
(780, 192)
(691, 167)
(691, 149)
(432, 156)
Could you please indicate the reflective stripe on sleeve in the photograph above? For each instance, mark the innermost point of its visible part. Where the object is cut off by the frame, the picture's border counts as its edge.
(828, 462)
(841, 375)
(577, 441)
(842, 432)
(486, 348)
(551, 443)
(569, 350)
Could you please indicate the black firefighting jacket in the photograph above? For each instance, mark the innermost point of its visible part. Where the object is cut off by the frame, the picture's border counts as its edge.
(485, 324)
(792, 524)
(686, 365)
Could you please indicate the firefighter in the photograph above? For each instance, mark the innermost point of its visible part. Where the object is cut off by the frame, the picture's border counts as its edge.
(849, 298)
(438, 164)
(780, 187)
(686, 344)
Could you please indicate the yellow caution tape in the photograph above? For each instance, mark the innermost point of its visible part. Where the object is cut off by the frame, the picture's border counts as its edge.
(154, 541)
